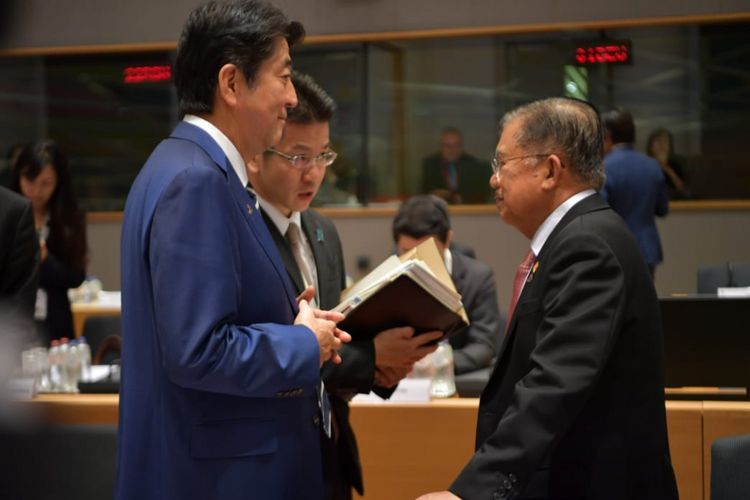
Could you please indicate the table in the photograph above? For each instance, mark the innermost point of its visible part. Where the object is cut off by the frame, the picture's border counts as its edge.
(411, 448)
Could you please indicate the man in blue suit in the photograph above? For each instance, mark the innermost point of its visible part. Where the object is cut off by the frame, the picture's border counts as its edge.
(220, 392)
(635, 187)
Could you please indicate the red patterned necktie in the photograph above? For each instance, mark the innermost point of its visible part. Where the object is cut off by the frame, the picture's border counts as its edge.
(521, 274)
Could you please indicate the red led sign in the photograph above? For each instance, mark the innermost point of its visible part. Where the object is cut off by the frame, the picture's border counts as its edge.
(146, 74)
(603, 53)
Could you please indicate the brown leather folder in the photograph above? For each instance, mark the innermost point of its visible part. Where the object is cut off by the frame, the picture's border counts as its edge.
(394, 296)
(402, 302)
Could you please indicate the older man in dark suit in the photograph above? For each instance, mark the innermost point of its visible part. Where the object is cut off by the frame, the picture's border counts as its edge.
(286, 178)
(575, 406)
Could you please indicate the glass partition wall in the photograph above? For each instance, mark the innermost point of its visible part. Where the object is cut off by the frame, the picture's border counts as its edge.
(394, 98)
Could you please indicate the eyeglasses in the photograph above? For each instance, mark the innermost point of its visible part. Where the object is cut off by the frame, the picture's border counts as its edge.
(303, 162)
(497, 164)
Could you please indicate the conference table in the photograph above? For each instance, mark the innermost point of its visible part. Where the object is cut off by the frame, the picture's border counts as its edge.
(411, 448)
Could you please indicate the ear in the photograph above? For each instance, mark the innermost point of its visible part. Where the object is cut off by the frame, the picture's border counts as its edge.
(449, 238)
(554, 170)
(254, 165)
(228, 84)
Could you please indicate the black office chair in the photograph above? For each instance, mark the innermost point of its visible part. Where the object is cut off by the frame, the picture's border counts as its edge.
(727, 274)
(98, 328)
(730, 463)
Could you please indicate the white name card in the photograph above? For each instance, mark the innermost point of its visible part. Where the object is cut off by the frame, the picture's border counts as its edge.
(409, 390)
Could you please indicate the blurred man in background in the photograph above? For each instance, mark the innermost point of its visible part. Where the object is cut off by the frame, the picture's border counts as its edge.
(425, 216)
(635, 186)
(453, 174)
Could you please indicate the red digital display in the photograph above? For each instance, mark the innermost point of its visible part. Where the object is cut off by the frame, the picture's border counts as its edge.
(603, 53)
(146, 74)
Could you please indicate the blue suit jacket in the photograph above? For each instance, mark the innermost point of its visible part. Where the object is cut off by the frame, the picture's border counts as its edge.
(636, 190)
(218, 387)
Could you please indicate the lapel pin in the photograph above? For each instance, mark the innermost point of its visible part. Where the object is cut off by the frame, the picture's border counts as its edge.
(533, 271)
(319, 234)
(249, 209)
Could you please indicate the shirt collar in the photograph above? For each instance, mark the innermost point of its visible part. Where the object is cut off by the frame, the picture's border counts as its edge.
(229, 149)
(448, 259)
(279, 220)
(553, 219)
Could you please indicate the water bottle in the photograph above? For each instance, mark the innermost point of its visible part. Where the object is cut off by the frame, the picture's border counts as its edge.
(74, 365)
(55, 367)
(84, 353)
(65, 365)
(443, 380)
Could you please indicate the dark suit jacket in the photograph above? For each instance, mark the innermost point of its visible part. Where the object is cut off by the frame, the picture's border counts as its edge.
(575, 405)
(356, 373)
(218, 395)
(635, 188)
(473, 177)
(474, 347)
(19, 259)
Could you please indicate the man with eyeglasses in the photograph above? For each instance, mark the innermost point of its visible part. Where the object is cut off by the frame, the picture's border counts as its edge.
(575, 406)
(286, 179)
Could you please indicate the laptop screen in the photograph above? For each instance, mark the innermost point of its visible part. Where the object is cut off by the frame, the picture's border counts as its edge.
(706, 341)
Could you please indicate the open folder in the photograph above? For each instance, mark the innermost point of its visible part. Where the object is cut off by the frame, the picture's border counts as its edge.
(414, 290)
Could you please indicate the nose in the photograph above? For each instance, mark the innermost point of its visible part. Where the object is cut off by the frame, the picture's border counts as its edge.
(494, 180)
(291, 97)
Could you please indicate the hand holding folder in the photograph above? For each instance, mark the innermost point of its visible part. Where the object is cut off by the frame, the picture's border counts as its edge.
(414, 290)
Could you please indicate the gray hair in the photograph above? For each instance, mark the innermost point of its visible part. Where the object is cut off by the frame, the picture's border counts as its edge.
(568, 127)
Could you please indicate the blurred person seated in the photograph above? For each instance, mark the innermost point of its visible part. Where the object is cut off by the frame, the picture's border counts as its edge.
(425, 216)
(40, 173)
(19, 274)
(454, 175)
(660, 146)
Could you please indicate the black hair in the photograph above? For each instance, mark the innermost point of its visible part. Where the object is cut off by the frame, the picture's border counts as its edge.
(619, 126)
(314, 105)
(239, 32)
(67, 235)
(420, 216)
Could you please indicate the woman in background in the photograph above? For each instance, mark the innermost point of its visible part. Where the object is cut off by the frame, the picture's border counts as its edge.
(40, 173)
(660, 146)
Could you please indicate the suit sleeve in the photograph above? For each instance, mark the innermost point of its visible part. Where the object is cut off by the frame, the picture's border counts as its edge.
(484, 331)
(23, 263)
(356, 372)
(196, 271)
(581, 309)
